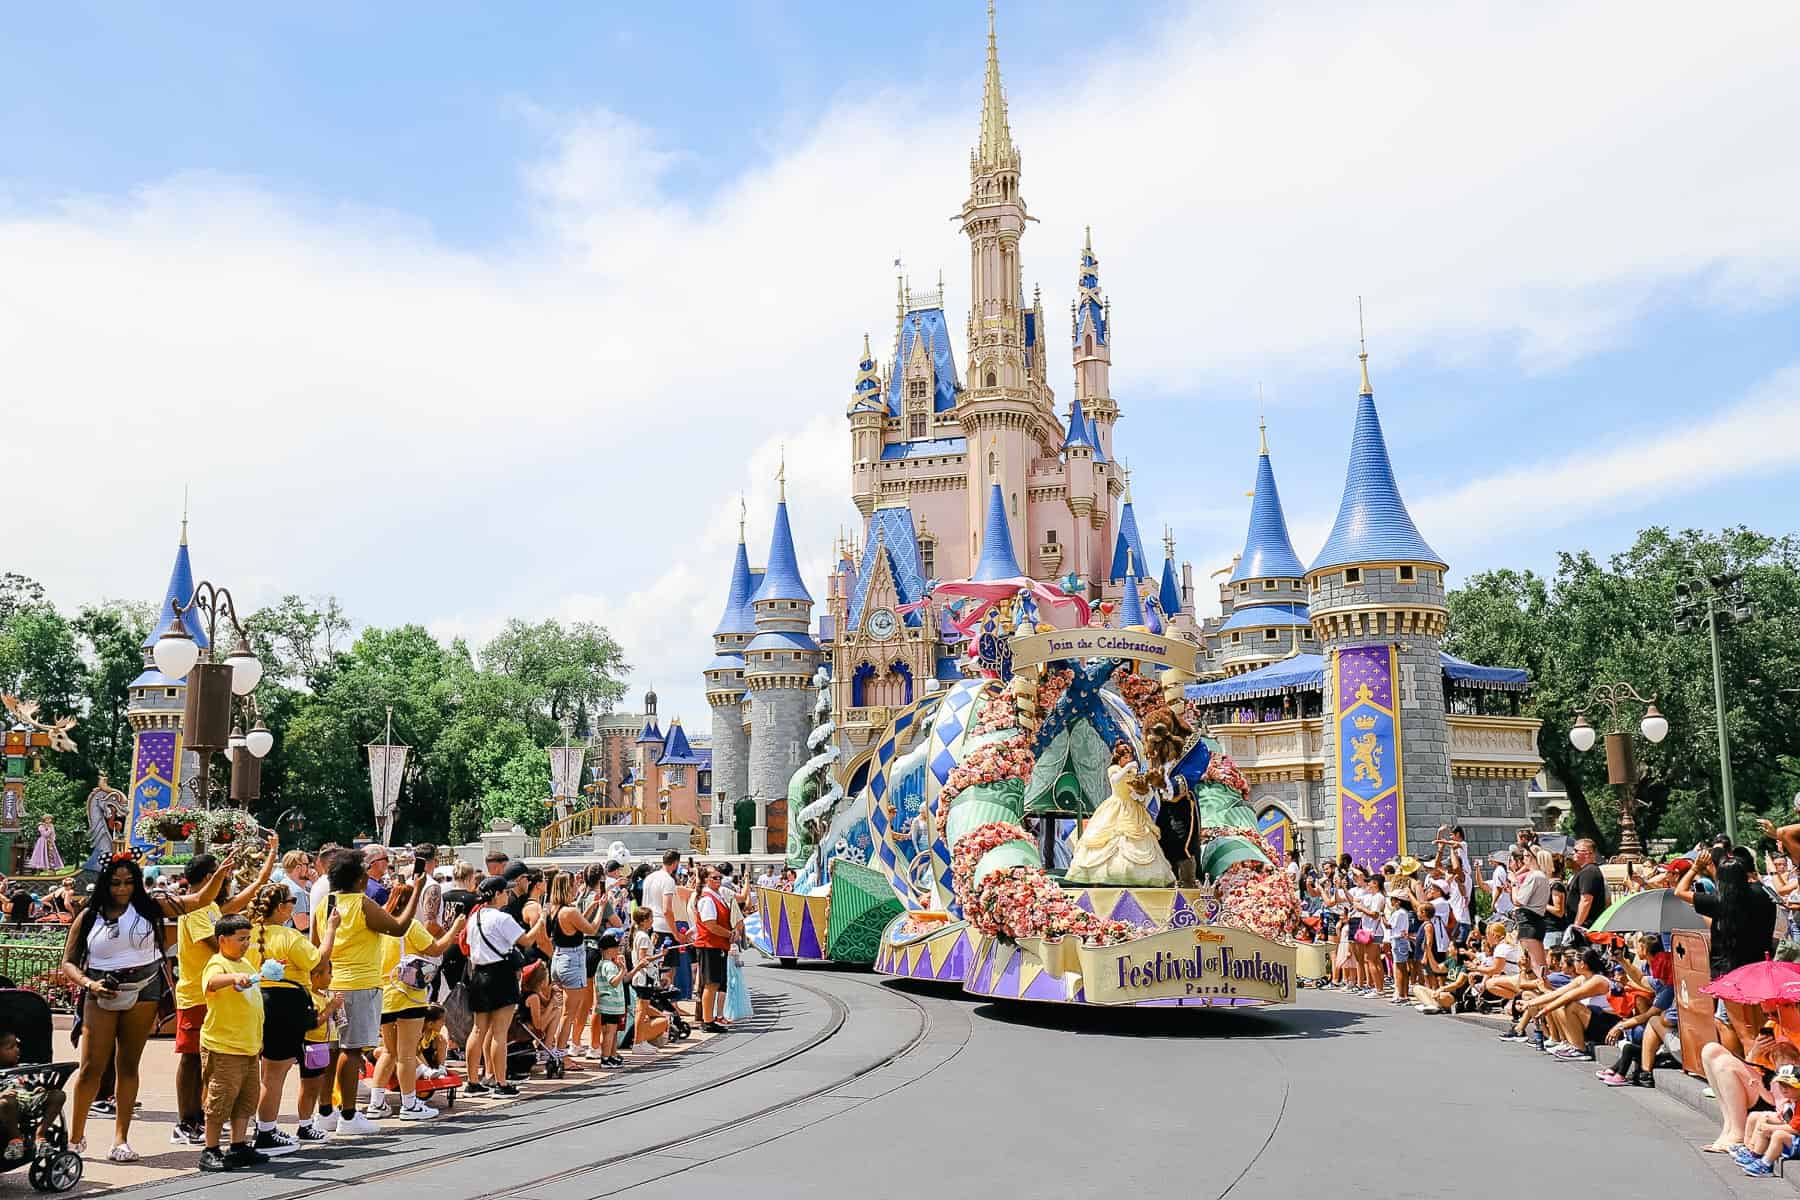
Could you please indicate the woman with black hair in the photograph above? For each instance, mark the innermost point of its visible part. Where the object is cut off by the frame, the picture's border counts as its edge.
(113, 955)
(494, 938)
(1576, 1015)
(356, 976)
(1742, 917)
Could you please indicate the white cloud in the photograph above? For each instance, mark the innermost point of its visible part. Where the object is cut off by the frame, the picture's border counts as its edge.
(558, 426)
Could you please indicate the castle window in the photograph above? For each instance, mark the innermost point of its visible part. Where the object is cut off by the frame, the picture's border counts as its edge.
(928, 557)
(916, 389)
(1406, 574)
(170, 692)
(1271, 635)
(1244, 588)
(1050, 536)
(769, 718)
(1237, 638)
(1352, 575)
(993, 463)
(1015, 504)
(991, 381)
(917, 427)
(1269, 585)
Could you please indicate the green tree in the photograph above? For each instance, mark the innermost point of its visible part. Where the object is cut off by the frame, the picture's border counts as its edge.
(114, 634)
(1595, 623)
(563, 669)
(49, 791)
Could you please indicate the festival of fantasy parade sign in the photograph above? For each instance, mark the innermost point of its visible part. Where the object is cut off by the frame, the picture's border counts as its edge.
(1195, 962)
(1104, 643)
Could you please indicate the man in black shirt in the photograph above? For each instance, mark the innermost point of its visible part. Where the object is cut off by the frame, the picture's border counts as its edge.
(1587, 891)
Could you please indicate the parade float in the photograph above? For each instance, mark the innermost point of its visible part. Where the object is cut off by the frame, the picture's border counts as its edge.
(1055, 827)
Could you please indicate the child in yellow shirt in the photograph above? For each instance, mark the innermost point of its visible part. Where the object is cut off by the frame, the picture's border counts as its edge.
(230, 1041)
(316, 1055)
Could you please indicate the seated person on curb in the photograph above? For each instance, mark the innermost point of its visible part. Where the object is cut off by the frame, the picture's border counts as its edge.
(20, 1102)
(1769, 1136)
(1575, 1015)
(1739, 1086)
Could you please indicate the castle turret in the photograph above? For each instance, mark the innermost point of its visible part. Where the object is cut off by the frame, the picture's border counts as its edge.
(866, 414)
(1266, 617)
(1131, 603)
(1091, 329)
(1128, 545)
(1087, 492)
(725, 685)
(1379, 615)
(997, 562)
(161, 769)
(1007, 423)
(778, 668)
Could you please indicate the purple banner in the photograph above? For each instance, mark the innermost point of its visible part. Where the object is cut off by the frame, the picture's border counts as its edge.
(155, 776)
(1371, 804)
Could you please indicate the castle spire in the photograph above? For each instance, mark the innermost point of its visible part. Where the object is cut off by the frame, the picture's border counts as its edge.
(1362, 338)
(1131, 605)
(179, 591)
(997, 558)
(996, 150)
(781, 579)
(1268, 550)
(737, 617)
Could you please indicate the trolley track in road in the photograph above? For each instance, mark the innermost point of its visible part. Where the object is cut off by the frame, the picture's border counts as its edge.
(839, 1014)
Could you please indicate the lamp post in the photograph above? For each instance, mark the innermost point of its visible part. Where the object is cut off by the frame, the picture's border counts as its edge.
(212, 683)
(1716, 599)
(1621, 763)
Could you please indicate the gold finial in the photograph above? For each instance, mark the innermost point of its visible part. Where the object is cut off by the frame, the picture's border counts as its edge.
(1362, 338)
(1262, 421)
(868, 355)
(184, 513)
(743, 515)
(1087, 245)
(1168, 541)
(781, 476)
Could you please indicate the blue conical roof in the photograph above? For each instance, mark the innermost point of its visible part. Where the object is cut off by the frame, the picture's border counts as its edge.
(1128, 545)
(677, 751)
(1170, 595)
(781, 578)
(179, 591)
(1268, 551)
(997, 558)
(1093, 428)
(1372, 522)
(737, 617)
(1078, 428)
(1131, 606)
(650, 733)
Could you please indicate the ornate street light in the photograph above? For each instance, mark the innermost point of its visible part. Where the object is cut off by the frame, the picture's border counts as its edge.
(206, 724)
(1621, 763)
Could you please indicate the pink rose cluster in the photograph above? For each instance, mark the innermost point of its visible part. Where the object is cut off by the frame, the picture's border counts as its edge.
(1255, 897)
(1222, 770)
(1023, 901)
(1009, 758)
(1051, 689)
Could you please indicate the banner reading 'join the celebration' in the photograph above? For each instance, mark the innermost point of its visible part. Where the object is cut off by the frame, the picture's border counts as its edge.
(1370, 800)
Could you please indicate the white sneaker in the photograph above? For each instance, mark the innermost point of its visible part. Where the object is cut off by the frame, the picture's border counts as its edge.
(326, 1122)
(418, 1112)
(358, 1126)
(377, 1112)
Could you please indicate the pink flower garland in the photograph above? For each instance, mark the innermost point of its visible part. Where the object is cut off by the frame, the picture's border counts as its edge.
(1023, 901)
(1220, 769)
(1254, 897)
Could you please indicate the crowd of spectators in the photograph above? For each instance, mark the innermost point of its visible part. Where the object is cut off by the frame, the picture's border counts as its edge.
(1515, 937)
(345, 986)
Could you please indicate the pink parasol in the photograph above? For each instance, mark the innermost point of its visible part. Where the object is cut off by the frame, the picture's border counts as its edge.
(1766, 982)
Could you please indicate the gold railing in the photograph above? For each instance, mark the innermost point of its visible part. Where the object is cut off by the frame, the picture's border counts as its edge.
(567, 829)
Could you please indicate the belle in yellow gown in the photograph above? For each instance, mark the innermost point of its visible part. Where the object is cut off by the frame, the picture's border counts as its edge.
(1119, 847)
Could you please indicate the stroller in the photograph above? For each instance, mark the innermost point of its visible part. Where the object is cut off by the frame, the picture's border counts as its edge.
(53, 1167)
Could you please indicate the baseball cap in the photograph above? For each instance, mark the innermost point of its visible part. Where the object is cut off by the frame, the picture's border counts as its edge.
(1789, 1074)
(513, 871)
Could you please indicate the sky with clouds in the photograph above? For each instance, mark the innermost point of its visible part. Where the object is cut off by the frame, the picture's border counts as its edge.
(463, 312)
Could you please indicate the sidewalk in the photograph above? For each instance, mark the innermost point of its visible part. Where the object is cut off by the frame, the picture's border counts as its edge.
(155, 1121)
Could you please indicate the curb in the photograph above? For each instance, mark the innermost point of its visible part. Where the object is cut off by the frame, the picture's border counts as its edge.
(1676, 1085)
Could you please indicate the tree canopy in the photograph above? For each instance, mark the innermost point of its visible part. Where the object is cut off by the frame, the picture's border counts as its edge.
(1594, 623)
(478, 731)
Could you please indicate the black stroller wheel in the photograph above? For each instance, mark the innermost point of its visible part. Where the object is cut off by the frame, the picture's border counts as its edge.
(64, 1170)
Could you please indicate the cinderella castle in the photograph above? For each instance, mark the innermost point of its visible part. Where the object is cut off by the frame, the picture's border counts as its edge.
(984, 476)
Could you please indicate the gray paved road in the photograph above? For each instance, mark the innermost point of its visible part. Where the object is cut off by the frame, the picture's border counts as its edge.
(918, 1094)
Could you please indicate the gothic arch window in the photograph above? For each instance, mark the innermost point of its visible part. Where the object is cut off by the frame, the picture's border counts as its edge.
(1015, 504)
(1089, 346)
(993, 459)
(928, 557)
(991, 379)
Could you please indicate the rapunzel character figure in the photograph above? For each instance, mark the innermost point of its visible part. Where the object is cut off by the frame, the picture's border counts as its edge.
(1119, 847)
(45, 856)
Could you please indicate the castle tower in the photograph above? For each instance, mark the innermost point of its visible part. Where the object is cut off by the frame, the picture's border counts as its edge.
(648, 777)
(778, 668)
(866, 415)
(1128, 545)
(1005, 421)
(161, 769)
(725, 687)
(1379, 615)
(1092, 341)
(1087, 489)
(1267, 618)
(1168, 593)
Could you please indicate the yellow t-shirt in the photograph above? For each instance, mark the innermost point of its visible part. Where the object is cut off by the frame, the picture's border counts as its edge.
(356, 955)
(192, 954)
(234, 1019)
(319, 1032)
(396, 997)
(289, 947)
